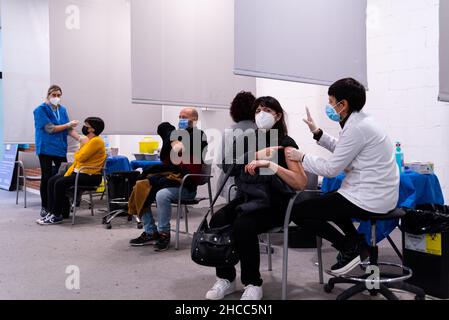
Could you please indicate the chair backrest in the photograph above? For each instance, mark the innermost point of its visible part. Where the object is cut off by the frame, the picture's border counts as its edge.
(205, 169)
(30, 160)
(312, 181)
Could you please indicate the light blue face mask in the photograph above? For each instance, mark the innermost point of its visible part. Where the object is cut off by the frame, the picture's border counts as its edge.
(183, 124)
(332, 114)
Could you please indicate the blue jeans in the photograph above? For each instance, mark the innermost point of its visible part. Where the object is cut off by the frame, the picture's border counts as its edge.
(164, 199)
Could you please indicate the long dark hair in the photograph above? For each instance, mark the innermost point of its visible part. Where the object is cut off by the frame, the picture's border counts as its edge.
(273, 104)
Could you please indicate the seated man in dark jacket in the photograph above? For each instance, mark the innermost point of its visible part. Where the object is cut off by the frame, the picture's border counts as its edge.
(181, 153)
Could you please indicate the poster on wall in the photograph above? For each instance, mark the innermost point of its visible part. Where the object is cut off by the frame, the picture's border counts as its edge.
(7, 166)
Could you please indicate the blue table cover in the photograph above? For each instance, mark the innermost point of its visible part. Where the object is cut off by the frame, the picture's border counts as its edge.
(143, 163)
(117, 163)
(414, 189)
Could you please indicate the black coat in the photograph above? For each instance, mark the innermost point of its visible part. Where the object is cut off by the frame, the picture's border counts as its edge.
(263, 193)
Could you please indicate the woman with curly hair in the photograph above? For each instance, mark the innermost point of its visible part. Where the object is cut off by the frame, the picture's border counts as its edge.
(242, 114)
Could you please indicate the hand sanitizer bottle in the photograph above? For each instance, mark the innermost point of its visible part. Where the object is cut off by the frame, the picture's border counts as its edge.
(399, 157)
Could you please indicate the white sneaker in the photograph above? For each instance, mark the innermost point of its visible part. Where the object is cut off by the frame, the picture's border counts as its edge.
(51, 220)
(221, 288)
(252, 293)
(41, 220)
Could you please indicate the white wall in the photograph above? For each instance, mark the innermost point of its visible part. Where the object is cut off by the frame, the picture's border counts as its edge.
(403, 85)
(128, 145)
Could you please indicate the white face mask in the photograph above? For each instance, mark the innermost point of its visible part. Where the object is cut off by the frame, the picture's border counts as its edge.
(265, 120)
(55, 101)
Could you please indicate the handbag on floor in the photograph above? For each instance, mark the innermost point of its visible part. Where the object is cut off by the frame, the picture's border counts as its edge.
(214, 247)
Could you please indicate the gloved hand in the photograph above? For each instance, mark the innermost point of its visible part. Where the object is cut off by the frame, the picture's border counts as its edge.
(295, 155)
(72, 124)
(309, 121)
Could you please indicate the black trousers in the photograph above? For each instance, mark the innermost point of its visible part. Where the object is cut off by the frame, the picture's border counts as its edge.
(58, 203)
(246, 228)
(315, 214)
(48, 171)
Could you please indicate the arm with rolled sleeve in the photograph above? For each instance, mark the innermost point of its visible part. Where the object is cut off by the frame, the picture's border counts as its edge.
(344, 151)
(52, 128)
(43, 122)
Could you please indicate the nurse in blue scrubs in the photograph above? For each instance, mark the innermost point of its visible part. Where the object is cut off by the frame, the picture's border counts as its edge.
(52, 126)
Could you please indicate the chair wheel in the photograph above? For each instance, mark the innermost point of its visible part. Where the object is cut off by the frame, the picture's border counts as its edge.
(108, 226)
(139, 225)
(328, 288)
(130, 218)
(103, 221)
(420, 297)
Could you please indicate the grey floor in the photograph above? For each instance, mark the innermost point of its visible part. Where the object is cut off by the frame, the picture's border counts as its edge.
(34, 260)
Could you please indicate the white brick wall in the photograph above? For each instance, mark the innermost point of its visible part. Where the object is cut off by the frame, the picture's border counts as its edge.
(403, 85)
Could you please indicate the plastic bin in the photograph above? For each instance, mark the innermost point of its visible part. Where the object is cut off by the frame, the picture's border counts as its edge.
(120, 186)
(426, 251)
(148, 145)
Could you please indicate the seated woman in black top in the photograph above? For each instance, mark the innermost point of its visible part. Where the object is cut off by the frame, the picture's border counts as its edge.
(261, 204)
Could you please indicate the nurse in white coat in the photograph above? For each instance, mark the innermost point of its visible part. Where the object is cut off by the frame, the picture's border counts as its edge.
(371, 186)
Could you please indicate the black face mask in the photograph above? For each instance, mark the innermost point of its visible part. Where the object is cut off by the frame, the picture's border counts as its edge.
(85, 130)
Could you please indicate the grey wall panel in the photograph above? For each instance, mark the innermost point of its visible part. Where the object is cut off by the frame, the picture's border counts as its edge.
(183, 53)
(306, 41)
(26, 65)
(91, 60)
(444, 51)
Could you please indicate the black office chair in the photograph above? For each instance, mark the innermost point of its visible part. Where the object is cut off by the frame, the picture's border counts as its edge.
(383, 282)
(118, 190)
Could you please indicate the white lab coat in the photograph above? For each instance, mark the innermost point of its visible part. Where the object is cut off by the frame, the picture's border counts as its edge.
(366, 154)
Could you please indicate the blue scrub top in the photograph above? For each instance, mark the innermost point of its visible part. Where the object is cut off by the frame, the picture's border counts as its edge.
(51, 144)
